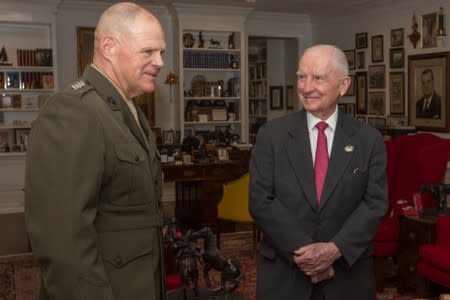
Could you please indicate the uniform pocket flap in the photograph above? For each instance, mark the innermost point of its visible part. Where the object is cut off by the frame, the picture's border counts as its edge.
(131, 153)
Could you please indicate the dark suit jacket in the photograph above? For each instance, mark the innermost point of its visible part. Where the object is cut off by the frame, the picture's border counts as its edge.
(433, 111)
(92, 193)
(283, 204)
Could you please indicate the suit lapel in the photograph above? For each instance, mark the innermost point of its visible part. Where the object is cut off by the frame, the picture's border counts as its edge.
(299, 154)
(341, 154)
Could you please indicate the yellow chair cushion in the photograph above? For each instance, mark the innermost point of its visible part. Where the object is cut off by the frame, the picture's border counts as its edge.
(234, 203)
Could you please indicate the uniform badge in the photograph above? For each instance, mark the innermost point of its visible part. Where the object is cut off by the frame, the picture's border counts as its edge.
(349, 148)
(78, 85)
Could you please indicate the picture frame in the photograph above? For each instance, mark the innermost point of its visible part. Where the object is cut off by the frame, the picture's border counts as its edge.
(397, 37)
(276, 97)
(397, 58)
(377, 79)
(351, 89)
(377, 103)
(85, 47)
(168, 137)
(434, 70)
(360, 60)
(44, 57)
(377, 48)
(429, 26)
(290, 96)
(361, 92)
(351, 58)
(22, 137)
(12, 80)
(361, 40)
(222, 154)
(146, 103)
(397, 93)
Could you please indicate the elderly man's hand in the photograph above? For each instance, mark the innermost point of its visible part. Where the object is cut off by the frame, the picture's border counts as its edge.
(327, 274)
(316, 258)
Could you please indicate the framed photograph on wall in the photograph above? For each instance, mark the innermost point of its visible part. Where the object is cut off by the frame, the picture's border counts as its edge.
(397, 93)
(351, 88)
(350, 54)
(377, 103)
(429, 26)
(361, 40)
(85, 47)
(397, 37)
(360, 60)
(377, 76)
(361, 92)
(276, 97)
(290, 96)
(377, 48)
(397, 58)
(427, 79)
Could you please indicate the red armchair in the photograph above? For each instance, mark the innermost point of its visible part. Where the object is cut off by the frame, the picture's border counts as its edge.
(411, 161)
(434, 259)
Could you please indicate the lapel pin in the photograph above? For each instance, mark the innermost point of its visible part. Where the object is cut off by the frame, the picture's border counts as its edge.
(349, 148)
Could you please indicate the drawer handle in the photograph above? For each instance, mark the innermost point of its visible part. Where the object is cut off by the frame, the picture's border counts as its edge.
(412, 235)
(411, 269)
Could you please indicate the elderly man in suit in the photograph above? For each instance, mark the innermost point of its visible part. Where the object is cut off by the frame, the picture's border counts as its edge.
(429, 106)
(318, 191)
(93, 175)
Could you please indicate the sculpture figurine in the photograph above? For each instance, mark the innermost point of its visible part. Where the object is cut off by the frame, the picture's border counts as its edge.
(231, 41)
(188, 256)
(201, 41)
(213, 44)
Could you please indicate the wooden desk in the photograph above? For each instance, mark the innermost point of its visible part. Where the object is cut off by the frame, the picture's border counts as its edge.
(199, 189)
(414, 231)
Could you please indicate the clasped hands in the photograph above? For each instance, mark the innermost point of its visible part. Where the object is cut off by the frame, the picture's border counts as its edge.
(316, 260)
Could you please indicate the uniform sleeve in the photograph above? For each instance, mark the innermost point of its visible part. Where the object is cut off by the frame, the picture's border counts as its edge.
(62, 182)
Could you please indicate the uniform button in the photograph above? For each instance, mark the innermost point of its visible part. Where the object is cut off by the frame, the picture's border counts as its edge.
(136, 159)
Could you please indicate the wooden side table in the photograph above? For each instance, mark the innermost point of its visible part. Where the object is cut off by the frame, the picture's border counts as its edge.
(414, 231)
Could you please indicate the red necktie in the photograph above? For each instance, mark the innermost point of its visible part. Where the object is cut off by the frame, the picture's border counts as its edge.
(321, 161)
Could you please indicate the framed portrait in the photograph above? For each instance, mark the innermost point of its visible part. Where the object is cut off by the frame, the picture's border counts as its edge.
(168, 137)
(360, 60)
(397, 58)
(85, 47)
(222, 154)
(361, 92)
(397, 37)
(12, 80)
(350, 54)
(377, 103)
(276, 97)
(22, 138)
(376, 122)
(361, 118)
(290, 96)
(377, 76)
(361, 40)
(146, 103)
(377, 48)
(428, 91)
(429, 26)
(351, 88)
(397, 93)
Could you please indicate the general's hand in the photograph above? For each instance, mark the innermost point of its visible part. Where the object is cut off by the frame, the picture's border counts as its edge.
(315, 258)
(327, 274)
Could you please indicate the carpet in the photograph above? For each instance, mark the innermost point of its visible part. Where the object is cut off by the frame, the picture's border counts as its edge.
(19, 275)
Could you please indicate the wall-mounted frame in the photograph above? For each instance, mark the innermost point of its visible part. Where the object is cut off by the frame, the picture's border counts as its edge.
(361, 40)
(397, 58)
(377, 76)
(350, 54)
(377, 48)
(397, 37)
(434, 71)
(276, 97)
(377, 103)
(361, 92)
(429, 26)
(397, 93)
(146, 102)
(351, 89)
(360, 60)
(168, 137)
(290, 96)
(85, 47)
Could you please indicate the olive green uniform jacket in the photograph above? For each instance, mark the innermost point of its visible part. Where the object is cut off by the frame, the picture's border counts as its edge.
(92, 196)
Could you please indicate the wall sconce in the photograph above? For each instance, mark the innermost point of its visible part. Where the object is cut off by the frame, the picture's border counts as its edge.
(171, 79)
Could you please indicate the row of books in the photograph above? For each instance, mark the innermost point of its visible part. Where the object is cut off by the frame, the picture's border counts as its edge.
(208, 60)
(34, 57)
